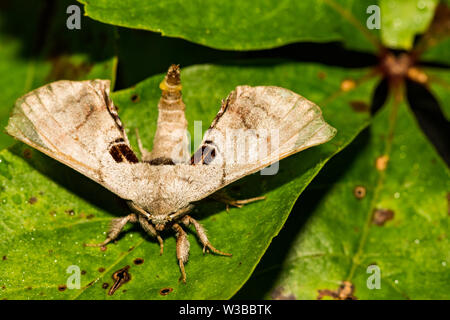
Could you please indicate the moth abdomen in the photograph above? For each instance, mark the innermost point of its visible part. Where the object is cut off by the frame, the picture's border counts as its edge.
(171, 140)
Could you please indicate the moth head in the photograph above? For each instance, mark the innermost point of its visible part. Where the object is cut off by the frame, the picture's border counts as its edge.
(159, 221)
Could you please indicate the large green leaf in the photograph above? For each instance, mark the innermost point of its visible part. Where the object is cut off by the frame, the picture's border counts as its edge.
(243, 25)
(48, 211)
(436, 41)
(401, 20)
(332, 234)
(36, 47)
(438, 53)
(439, 85)
(136, 48)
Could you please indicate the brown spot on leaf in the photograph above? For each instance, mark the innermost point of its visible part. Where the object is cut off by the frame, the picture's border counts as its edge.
(348, 85)
(165, 291)
(131, 249)
(278, 294)
(321, 75)
(359, 106)
(381, 162)
(135, 98)
(90, 216)
(380, 216)
(32, 200)
(105, 285)
(103, 248)
(62, 287)
(101, 269)
(70, 212)
(359, 192)
(120, 277)
(29, 288)
(83, 272)
(4, 258)
(448, 203)
(27, 153)
(138, 261)
(344, 292)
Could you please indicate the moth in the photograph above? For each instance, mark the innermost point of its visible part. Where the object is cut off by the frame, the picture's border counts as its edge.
(76, 123)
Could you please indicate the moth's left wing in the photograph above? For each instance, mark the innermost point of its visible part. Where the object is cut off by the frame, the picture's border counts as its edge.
(255, 127)
(76, 123)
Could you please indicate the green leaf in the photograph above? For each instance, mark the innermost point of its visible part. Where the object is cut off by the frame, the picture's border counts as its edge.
(439, 85)
(36, 48)
(332, 235)
(438, 53)
(48, 211)
(243, 25)
(436, 41)
(136, 47)
(402, 20)
(16, 40)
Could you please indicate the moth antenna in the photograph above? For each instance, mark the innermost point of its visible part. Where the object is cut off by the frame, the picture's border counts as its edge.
(171, 139)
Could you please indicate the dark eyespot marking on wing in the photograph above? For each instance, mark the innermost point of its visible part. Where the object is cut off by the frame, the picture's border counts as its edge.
(161, 161)
(120, 152)
(118, 140)
(205, 154)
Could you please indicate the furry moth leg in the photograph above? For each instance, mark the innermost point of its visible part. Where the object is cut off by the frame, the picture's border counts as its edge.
(148, 227)
(221, 196)
(116, 227)
(201, 233)
(182, 249)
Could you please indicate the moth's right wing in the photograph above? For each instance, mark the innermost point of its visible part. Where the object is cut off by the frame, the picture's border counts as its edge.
(255, 127)
(76, 123)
